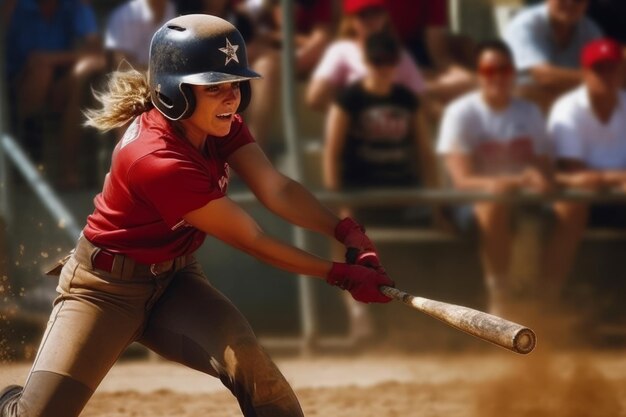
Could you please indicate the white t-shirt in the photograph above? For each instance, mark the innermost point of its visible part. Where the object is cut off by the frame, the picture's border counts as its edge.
(130, 29)
(343, 63)
(577, 133)
(499, 141)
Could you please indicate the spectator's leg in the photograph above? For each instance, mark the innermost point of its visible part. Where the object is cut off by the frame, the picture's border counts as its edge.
(33, 89)
(570, 224)
(265, 94)
(34, 85)
(75, 87)
(494, 222)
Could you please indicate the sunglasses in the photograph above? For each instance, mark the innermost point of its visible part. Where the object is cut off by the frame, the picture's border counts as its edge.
(490, 71)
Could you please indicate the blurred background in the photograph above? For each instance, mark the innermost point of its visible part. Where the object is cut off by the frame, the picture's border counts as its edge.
(432, 122)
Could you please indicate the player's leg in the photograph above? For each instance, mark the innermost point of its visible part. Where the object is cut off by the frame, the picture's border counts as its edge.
(194, 324)
(93, 321)
(494, 223)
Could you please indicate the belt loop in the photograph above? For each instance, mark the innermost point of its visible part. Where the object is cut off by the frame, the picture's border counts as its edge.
(128, 267)
(118, 266)
(178, 263)
(92, 256)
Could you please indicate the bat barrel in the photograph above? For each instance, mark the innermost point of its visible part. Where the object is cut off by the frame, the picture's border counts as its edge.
(504, 333)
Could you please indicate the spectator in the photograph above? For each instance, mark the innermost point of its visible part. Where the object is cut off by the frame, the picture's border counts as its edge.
(375, 136)
(313, 26)
(44, 68)
(546, 40)
(588, 129)
(130, 29)
(343, 62)
(493, 142)
(445, 59)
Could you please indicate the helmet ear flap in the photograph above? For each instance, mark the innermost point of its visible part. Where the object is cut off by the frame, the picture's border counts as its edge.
(190, 97)
(246, 95)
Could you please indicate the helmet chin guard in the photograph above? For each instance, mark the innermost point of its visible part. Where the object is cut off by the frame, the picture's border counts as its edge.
(196, 49)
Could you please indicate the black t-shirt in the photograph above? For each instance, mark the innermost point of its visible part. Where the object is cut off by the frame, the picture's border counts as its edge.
(380, 143)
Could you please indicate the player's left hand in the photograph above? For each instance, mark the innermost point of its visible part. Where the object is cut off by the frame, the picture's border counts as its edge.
(360, 249)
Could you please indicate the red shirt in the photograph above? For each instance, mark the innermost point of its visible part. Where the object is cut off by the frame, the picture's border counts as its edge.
(157, 177)
(411, 17)
(307, 17)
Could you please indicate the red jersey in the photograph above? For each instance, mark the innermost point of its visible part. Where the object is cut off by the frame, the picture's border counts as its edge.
(157, 176)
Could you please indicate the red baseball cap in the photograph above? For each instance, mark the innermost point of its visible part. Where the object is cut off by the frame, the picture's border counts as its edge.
(601, 50)
(355, 6)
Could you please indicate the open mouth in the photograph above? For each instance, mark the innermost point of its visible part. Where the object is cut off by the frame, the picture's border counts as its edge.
(224, 116)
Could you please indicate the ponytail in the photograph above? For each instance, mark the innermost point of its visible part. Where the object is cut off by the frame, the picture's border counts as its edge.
(127, 95)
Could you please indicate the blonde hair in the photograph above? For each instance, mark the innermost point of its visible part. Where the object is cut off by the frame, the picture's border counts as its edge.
(127, 95)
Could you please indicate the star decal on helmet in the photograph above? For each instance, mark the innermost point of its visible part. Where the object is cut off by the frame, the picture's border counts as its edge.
(231, 52)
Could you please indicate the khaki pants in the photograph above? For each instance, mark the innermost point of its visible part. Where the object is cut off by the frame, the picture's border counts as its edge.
(177, 314)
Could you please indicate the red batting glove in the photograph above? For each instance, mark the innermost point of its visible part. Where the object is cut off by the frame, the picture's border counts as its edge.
(361, 250)
(362, 282)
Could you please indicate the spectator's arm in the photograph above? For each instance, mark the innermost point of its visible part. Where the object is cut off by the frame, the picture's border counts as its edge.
(464, 177)
(550, 76)
(437, 43)
(614, 177)
(425, 152)
(574, 173)
(320, 93)
(337, 124)
(312, 48)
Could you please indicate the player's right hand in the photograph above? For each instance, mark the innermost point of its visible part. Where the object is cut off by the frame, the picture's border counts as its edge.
(363, 283)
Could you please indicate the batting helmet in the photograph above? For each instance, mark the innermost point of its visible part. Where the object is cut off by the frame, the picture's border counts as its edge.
(195, 49)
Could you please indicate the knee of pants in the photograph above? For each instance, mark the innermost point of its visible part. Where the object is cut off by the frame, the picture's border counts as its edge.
(251, 368)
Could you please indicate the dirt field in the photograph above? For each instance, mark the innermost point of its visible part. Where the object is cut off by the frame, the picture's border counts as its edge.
(493, 384)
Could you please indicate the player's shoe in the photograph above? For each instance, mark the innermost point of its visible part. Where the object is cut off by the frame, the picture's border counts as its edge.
(6, 395)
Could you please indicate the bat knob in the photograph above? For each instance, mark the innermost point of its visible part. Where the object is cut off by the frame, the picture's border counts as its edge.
(525, 341)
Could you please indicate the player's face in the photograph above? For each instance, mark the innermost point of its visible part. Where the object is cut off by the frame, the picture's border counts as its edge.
(215, 108)
(496, 75)
(604, 78)
(567, 11)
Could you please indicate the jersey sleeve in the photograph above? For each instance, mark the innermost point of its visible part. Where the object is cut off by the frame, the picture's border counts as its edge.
(239, 136)
(455, 130)
(174, 187)
(331, 67)
(563, 132)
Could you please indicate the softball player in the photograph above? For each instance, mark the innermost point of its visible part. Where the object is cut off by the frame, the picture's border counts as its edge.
(133, 276)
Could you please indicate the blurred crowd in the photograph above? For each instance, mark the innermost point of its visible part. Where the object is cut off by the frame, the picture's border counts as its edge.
(408, 103)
